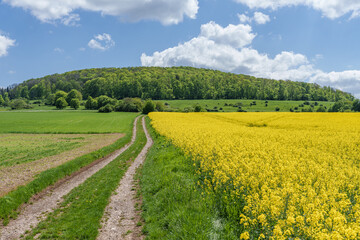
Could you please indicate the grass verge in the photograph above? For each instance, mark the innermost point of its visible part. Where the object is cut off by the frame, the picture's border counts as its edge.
(174, 206)
(79, 215)
(12, 201)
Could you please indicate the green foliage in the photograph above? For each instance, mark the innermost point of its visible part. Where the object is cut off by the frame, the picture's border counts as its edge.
(2, 101)
(75, 103)
(321, 109)
(91, 104)
(104, 100)
(50, 100)
(6, 99)
(176, 83)
(60, 94)
(61, 103)
(198, 108)
(342, 105)
(73, 94)
(149, 107)
(129, 105)
(106, 109)
(159, 106)
(277, 109)
(173, 204)
(356, 105)
(18, 104)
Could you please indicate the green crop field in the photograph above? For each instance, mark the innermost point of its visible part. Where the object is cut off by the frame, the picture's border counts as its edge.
(65, 122)
(223, 105)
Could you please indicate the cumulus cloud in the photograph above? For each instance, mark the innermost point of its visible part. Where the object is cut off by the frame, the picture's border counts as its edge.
(167, 12)
(101, 42)
(5, 44)
(259, 18)
(331, 9)
(214, 48)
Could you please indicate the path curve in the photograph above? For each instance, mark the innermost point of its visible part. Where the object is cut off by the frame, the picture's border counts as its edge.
(32, 214)
(120, 215)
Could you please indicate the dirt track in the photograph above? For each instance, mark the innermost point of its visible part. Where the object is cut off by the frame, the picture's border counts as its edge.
(32, 214)
(120, 218)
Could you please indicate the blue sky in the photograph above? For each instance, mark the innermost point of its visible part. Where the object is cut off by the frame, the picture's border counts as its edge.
(302, 40)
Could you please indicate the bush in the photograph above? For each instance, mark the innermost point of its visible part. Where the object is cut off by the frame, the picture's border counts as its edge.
(61, 103)
(91, 104)
(198, 108)
(106, 109)
(277, 109)
(59, 94)
(129, 105)
(149, 107)
(75, 103)
(308, 109)
(2, 101)
(17, 104)
(321, 109)
(306, 103)
(159, 106)
(74, 94)
(104, 100)
(50, 100)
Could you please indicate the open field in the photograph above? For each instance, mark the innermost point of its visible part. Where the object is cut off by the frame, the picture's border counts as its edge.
(260, 106)
(65, 122)
(275, 175)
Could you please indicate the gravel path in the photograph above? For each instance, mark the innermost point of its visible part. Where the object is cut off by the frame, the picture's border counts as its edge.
(120, 218)
(32, 214)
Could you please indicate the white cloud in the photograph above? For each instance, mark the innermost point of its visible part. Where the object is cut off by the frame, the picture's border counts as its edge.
(166, 12)
(58, 50)
(5, 44)
(214, 49)
(259, 18)
(11, 72)
(329, 8)
(101, 42)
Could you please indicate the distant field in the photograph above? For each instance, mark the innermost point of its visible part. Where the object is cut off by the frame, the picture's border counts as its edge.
(260, 105)
(65, 122)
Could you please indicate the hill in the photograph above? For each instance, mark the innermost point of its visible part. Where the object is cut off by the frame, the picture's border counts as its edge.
(172, 83)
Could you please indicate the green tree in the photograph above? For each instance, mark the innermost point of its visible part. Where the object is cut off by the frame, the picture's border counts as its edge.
(321, 109)
(61, 103)
(17, 104)
(6, 99)
(1, 100)
(60, 94)
(107, 108)
(91, 104)
(73, 94)
(149, 107)
(159, 106)
(355, 107)
(104, 100)
(75, 103)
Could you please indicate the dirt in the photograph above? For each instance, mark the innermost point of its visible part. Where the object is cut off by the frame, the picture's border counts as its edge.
(121, 217)
(31, 214)
(13, 176)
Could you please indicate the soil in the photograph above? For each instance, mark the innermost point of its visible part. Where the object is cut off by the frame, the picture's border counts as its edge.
(48, 200)
(121, 217)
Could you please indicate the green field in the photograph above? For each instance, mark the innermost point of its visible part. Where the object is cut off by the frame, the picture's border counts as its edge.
(260, 105)
(65, 122)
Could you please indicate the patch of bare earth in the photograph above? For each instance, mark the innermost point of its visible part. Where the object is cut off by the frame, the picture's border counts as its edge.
(13, 176)
(121, 219)
(48, 200)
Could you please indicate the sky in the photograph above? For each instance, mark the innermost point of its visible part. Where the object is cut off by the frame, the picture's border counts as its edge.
(301, 40)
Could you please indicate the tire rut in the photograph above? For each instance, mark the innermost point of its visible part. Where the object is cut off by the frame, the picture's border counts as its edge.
(120, 218)
(48, 200)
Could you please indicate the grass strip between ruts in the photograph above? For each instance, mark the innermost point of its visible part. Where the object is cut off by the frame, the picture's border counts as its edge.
(13, 200)
(173, 204)
(79, 215)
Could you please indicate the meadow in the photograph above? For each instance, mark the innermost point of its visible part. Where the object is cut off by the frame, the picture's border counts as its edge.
(275, 175)
(65, 122)
(247, 105)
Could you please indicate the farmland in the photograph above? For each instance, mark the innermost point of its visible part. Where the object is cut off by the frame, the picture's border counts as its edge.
(275, 175)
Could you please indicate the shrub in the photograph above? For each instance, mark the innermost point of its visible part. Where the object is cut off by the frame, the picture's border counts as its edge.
(129, 105)
(321, 109)
(59, 94)
(2, 101)
(50, 100)
(75, 103)
(306, 103)
(91, 104)
(149, 107)
(73, 94)
(104, 100)
(17, 104)
(198, 108)
(277, 109)
(106, 109)
(291, 110)
(61, 103)
(159, 106)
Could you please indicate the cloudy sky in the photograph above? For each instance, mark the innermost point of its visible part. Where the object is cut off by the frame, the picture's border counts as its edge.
(302, 40)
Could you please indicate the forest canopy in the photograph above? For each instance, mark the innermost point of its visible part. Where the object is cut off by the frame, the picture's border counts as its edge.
(171, 83)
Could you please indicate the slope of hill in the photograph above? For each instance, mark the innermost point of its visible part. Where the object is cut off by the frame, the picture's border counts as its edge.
(173, 83)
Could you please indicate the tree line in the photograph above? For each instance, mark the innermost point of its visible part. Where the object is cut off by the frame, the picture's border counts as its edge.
(170, 83)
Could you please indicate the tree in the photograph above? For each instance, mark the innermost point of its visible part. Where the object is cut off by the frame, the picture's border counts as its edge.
(17, 104)
(75, 103)
(149, 107)
(91, 104)
(160, 107)
(106, 109)
(1, 100)
(6, 99)
(198, 108)
(61, 103)
(104, 100)
(321, 109)
(60, 94)
(355, 107)
(73, 94)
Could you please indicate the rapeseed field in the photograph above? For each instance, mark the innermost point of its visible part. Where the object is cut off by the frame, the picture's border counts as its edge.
(276, 175)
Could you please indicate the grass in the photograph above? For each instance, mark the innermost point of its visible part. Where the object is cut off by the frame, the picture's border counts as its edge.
(79, 215)
(260, 105)
(21, 148)
(65, 122)
(12, 201)
(173, 204)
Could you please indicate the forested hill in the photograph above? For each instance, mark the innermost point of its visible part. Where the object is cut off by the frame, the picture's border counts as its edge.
(173, 83)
